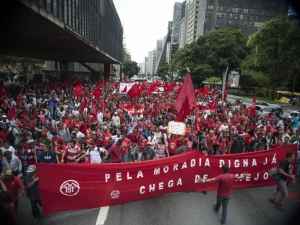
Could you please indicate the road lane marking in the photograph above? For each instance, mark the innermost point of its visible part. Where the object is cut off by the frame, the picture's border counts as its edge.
(102, 215)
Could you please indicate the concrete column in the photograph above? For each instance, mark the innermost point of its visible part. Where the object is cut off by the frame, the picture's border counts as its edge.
(107, 71)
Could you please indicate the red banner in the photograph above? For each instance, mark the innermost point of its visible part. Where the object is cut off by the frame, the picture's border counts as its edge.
(82, 186)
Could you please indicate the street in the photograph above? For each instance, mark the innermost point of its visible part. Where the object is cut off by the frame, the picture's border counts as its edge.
(247, 207)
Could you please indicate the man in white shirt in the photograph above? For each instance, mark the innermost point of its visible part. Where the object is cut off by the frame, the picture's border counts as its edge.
(7, 147)
(100, 117)
(95, 155)
(116, 122)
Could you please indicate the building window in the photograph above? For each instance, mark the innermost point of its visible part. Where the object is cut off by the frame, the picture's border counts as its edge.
(246, 11)
(55, 8)
(235, 10)
(66, 12)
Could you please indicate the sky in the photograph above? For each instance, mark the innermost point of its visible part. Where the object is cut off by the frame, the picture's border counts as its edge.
(144, 22)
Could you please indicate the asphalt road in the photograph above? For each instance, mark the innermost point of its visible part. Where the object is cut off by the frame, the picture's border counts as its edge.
(247, 207)
(287, 107)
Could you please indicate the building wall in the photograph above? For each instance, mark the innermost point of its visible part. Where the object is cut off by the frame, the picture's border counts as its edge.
(248, 15)
(147, 67)
(177, 16)
(182, 35)
(96, 21)
(152, 61)
(159, 49)
(168, 52)
(142, 68)
(201, 17)
(192, 7)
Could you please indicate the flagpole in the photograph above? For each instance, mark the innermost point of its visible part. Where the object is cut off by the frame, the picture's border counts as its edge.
(224, 83)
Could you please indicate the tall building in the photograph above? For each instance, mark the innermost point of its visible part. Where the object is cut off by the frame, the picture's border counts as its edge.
(202, 16)
(169, 51)
(147, 66)
(177, 16)
(142, 68)
(159, 49)
(191, 14)
(248, 15)
(151, 63)
(182, 34)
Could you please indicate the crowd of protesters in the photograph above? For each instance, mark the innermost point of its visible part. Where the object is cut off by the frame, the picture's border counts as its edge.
(63, 122)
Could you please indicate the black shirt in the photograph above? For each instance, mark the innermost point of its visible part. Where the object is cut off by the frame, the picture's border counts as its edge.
(47, 157)
(285, 166)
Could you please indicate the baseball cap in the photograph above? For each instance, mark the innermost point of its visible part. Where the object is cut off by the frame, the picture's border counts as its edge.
(31, 169)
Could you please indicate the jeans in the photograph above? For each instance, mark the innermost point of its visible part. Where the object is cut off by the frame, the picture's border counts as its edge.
(224, 202)
(281, 191)
(35, 204)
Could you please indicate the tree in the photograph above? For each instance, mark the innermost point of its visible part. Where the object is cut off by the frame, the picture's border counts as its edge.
(131, 68)
(212, 54)
(164, 71)
(275, 52)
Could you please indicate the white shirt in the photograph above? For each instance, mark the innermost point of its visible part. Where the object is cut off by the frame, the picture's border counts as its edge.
(116, 121)
(100, 117)
(80, 135)
(95, 157)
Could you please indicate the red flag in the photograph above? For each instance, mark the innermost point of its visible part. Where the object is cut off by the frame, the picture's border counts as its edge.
(135, 91)
(169, 87)
(97, 92)
(186, 94)
(78, 89)
(152, 87)
(184, 112)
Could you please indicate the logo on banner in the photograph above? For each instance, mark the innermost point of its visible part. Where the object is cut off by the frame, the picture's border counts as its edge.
(115, 194)
(69, 188)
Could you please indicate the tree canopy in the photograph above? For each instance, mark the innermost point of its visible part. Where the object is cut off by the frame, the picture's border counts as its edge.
(212, 53)
(274, 58)
(130, 67)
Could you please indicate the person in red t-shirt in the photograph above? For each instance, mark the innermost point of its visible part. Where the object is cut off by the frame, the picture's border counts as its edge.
(14, 187)
(225, 188)
(172, 145)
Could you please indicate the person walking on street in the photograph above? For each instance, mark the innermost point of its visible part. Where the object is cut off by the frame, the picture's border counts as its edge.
(31, 184)
(14, 187)
(225, 188)
(282, 176)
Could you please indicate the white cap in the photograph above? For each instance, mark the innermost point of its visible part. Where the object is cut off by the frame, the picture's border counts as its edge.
(31, 169)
